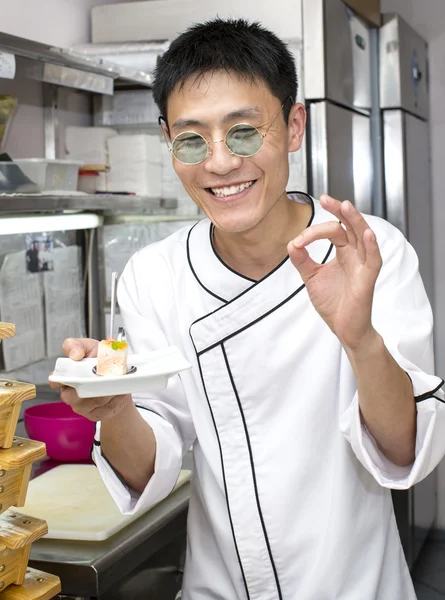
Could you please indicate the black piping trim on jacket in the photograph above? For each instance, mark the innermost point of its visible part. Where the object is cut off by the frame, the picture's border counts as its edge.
(430, 394)
(221, 260)
(252, 466)
(194, 272)
(255, 282)
(223, 472)
(149, 410)
(227, 303)
(231, 335)
(439, 399)
(95, 443)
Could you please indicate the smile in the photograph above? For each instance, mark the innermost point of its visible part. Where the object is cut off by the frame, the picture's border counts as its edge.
(224, 192)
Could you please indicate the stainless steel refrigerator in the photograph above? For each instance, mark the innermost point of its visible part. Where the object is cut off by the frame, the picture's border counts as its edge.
(375, 154)
(337, 89)
(408, 204)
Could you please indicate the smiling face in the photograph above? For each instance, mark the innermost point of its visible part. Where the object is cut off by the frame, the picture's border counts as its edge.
(236, 193)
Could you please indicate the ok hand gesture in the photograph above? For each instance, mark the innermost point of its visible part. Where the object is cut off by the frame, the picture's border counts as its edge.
(342, 289)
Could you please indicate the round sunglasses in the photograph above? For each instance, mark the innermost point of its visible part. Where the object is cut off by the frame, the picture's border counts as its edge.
(242, 139)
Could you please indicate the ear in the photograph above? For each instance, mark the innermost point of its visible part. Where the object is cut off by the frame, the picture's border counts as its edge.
(296, 126)
(165, 130)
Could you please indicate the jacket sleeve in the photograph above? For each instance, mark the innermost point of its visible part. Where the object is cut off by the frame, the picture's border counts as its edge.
(402, 315)
(166, 411)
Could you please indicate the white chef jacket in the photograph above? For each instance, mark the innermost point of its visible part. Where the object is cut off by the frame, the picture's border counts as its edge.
(290, 498)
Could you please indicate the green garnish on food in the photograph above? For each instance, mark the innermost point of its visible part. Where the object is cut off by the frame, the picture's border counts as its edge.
(118, 345)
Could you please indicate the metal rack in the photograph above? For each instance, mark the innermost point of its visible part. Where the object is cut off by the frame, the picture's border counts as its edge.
(70, 69)
(107, 204)
(92, 572)
(59, 67)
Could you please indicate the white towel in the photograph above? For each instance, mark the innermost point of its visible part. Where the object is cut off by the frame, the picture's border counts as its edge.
(141, 178)
(127, 149)
(88, 144)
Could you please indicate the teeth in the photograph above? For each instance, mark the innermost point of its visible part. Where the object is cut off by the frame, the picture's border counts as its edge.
(223, 192)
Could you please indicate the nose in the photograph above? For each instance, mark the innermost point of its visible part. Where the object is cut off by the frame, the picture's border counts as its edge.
(220, 160)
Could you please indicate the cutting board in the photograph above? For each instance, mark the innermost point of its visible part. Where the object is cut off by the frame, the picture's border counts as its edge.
(75, 503)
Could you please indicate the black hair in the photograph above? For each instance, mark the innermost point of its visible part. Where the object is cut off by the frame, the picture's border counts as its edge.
(233, 45)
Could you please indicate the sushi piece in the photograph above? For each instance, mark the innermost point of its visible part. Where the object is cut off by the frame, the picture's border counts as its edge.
(112, 358)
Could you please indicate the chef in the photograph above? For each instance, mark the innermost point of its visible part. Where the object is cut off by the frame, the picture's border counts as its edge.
(311, 392)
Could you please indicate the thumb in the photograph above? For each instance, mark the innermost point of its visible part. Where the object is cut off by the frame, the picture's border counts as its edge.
(73, 348)
(76, 353)
(78, 348)
(301, 260)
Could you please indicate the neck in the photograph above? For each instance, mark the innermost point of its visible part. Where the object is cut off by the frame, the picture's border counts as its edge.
(256, 252)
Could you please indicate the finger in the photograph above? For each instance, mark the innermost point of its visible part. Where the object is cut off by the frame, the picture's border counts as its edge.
(82, 406)
(113, 407)
(373, 256)
(54, 384)
(355, 219)
(302, 262)
(356, 242)
(332, 231)
(78, 348)
(68, 395)
(356, 224)
(335, 207)
(331, 205)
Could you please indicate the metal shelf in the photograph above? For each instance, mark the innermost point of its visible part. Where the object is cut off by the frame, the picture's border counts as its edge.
(71, 69)
(105, 203)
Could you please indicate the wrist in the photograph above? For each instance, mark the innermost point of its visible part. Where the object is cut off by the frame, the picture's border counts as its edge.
(126, 412)
(370, 344)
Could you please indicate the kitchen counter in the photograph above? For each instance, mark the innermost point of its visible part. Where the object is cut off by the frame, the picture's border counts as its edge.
(89, 569)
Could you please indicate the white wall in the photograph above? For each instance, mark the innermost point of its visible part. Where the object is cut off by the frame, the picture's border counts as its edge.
(54, 22)
(57, 22)
(161, 19)
(428, 18)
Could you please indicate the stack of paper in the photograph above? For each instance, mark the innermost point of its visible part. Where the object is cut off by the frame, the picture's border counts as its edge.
(170, 181)
(21, 301)
(64, 299)
(89, 144)
(135, 165)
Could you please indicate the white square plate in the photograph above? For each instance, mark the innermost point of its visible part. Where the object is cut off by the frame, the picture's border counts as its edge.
(152, 373)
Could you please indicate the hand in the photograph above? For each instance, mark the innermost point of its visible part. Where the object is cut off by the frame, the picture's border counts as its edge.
(342, 289)
(95, 409)
(78, 348)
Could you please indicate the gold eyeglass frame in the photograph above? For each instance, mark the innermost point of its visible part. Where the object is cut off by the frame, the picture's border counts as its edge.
(208, 142)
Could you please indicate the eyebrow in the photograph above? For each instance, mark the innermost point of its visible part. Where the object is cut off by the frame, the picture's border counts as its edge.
(240, 113)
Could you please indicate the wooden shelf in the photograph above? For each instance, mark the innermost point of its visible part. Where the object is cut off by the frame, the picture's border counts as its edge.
(37, 586)
(7, 330)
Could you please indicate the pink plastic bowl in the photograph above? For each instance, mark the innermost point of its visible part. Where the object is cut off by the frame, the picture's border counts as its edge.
(68, 436)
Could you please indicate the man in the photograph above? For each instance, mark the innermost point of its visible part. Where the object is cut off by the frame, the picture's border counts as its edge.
(310, 393)
(32, 258)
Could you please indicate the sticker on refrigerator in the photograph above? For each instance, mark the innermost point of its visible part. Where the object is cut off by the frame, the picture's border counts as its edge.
(7, 65)
(39, 253)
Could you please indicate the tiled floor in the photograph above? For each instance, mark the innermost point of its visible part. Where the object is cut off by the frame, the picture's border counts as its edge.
(429, 572)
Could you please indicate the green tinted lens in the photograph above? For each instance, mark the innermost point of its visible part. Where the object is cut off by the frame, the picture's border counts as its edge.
(244, 140)
(189, 147)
